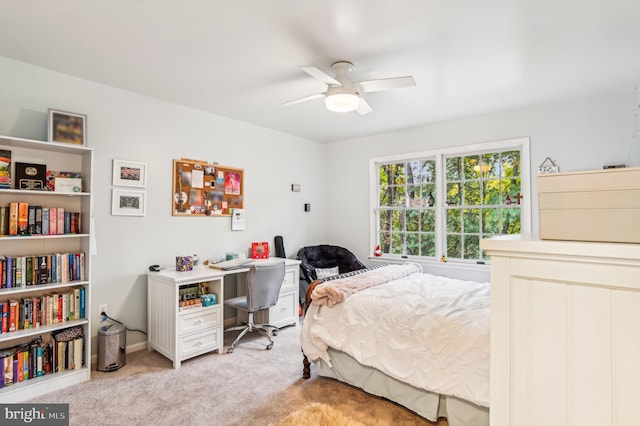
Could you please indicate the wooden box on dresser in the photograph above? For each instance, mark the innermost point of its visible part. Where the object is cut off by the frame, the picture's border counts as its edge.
(68, 250)
(182, 334)
(565, 332)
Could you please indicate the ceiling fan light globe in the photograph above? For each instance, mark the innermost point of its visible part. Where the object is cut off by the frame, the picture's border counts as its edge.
(342, 102)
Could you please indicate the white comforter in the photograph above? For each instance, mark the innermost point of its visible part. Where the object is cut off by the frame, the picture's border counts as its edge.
(429, 331)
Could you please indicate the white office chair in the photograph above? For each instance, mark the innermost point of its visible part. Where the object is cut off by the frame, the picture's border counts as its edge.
(263, 283)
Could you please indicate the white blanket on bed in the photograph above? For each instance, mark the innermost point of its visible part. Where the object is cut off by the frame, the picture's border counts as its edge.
(429, 331)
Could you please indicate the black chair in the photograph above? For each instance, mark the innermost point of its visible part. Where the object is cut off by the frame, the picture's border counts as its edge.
(324, 256)
(263, 285)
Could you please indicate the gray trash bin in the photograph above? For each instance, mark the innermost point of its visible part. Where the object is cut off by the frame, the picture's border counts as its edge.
(112, 345)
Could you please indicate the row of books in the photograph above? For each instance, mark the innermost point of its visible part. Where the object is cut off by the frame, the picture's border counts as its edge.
(39, 357)
(20, 218)
(23, 271)
(47, 309)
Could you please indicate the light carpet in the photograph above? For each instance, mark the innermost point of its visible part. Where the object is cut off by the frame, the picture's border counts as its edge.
(251, 386)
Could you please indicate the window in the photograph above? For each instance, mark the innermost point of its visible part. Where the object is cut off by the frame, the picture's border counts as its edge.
(439, 205)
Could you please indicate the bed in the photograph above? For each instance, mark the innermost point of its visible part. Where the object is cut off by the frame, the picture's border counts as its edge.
(397, 332)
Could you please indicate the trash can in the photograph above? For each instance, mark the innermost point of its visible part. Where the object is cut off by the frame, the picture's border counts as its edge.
(112, 345)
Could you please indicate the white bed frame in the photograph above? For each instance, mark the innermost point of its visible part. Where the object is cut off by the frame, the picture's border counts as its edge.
(565, 332)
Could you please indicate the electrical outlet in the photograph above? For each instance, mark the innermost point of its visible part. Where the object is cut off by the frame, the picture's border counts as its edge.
(102, 308)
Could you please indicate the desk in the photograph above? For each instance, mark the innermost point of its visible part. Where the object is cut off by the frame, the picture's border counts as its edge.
(180, 335)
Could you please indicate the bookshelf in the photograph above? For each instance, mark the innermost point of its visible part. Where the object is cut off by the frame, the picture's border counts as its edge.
(61, 252)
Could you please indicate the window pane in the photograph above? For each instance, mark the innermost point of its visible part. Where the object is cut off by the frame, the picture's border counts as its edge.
(428, 171)
(428, 247)
(510, 221)
(398, 176)
(453, 194)
(413, 220)
(491, 165)
(454, 167)
(471, 220)
(385, 241)
(511, 163)
(399, 196)
(471, 247)
(490, 221)
(385, 220)
(428, 220)
(429, 190)
(385, 196)
(414, 172)
(397, 220)
(472, 167)
(415, 196)
(413, 244)
(454, 246)
(512, 189)
(454, 223)
(472, 193)
(397, 243)
(491, 192)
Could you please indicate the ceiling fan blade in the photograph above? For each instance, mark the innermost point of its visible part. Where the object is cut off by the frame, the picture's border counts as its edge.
(320, 75)
(363, 107)
(386, 84)
(305, 99)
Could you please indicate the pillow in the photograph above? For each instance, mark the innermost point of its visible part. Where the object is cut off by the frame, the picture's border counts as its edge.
(326, 272)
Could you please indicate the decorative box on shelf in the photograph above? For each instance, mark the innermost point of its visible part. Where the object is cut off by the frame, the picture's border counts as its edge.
(593, 205)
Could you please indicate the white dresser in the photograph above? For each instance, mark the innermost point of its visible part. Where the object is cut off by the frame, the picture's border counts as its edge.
(565, 332)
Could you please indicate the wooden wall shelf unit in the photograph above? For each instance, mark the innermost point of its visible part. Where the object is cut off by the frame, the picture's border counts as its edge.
(206, 189)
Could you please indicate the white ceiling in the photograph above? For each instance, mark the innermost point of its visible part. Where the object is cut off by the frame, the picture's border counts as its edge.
(240, 58)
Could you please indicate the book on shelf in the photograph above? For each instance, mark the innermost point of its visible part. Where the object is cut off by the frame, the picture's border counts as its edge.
(13, 218)
(53, 221)
(31, 220)
(45, 220)
(5, 169)
(60, 224)
(23, 218)
(4, 220)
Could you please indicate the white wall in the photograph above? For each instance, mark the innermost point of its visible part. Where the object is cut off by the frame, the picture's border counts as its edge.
(127, 126)
(577, 134)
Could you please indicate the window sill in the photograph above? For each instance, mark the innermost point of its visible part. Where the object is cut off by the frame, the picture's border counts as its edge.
(466, 271)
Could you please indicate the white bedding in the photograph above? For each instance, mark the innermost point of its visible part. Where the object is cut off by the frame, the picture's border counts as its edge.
(429, 331)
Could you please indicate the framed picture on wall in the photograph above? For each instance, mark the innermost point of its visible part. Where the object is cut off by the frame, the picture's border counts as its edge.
(128, 203)
(129, 173)
(67, 127)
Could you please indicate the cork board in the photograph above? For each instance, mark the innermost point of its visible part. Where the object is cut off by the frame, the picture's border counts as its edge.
(206, 189)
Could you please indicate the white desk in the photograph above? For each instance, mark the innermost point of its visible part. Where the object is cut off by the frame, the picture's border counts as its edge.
(181, 335)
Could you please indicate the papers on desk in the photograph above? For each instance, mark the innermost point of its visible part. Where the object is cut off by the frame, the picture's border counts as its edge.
(228, 265)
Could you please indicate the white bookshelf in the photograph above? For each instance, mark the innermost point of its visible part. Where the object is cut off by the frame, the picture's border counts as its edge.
(62, 158)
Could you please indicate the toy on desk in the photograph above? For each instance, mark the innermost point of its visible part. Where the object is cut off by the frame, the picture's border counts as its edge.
(260, 250)
(184, 263)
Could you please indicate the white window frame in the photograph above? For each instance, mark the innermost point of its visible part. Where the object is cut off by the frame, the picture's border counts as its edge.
(521, 144)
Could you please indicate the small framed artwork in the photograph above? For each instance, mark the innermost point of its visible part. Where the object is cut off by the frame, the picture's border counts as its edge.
(129, 173)
(128, 203)
(67, 127)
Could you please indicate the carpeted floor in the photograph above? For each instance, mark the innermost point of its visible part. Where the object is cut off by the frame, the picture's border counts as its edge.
(251, 386)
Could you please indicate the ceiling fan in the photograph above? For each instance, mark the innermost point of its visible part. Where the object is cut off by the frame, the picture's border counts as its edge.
(345, 95)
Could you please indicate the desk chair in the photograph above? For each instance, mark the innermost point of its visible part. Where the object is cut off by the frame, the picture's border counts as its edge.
(263, 284)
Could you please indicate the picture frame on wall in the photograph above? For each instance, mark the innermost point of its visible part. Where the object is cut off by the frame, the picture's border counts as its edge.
(129, 173)
(128, 202)
(67, 127)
